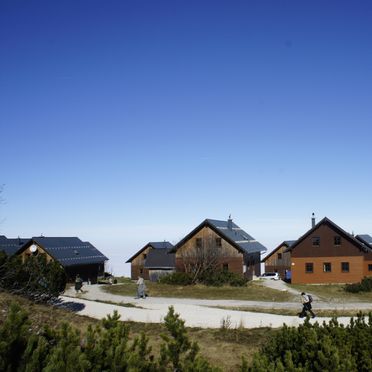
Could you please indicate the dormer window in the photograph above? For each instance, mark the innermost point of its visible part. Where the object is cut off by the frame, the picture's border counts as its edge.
(337, 240)
(316, 241)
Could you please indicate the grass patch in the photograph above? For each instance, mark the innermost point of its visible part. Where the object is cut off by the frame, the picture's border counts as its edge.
(221, 347)
(291, 312)
(333, 292)
(253, 291)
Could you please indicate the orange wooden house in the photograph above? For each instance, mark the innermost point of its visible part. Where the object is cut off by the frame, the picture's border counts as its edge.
(328, 254)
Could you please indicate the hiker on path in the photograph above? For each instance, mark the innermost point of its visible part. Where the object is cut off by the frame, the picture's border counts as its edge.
(78, 284)
(306, 305)
(141, 288)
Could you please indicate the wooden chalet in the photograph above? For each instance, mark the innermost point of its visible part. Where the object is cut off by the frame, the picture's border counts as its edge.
(329, 254)
(152, 261)
(279, 260)
(74, 255)
(233, 248)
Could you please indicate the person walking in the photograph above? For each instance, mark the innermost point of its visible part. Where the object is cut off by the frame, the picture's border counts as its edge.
(78, 284)
(141, 288)
(306, 305)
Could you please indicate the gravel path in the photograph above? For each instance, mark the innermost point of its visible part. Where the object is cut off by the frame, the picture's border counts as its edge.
(195, 312)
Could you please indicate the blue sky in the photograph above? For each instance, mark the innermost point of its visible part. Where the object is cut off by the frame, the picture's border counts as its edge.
(124, 122)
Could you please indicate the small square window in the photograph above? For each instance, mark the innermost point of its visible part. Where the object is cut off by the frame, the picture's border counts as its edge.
(369, 267)
(141, 271)
(225, 267)
(218, 242)
(327, 267)
(198, 242)
(345, 267)
(316, 240)
(309, 267)
(279, 256)
(337, 240)
(144, 256)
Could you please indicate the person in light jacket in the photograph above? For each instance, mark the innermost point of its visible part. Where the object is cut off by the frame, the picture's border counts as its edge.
(141, 288)
(306, 305)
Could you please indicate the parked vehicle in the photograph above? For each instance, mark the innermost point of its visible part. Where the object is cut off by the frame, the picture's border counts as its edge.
(270, 275)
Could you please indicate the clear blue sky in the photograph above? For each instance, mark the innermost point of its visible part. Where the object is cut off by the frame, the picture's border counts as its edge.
(124, 122)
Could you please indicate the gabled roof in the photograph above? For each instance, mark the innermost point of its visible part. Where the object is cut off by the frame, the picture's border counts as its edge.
(230, 232)
(326, 221)
(160, 259)
(365, 238)
(155, 245)
(68, 251)
(11, 246)
(286, 243)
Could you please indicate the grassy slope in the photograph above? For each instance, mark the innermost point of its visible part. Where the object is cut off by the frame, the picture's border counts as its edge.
(252, 291)
(222, 348)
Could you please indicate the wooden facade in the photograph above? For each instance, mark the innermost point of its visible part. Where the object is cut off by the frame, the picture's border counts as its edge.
(328, 254)
(137, 266)
(279, 260)
(208, 242)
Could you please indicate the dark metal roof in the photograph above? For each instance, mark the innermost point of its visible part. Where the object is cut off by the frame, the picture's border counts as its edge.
(231, 232)
(155, 245)
(160, 259)
(69, 251)
(161, 245)
(11, 246)
(365, 238)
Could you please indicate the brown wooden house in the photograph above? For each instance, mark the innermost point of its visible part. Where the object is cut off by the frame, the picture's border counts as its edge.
(328, 254)
(74, 255)
(152, 261)
(279, 260)
(233, 249)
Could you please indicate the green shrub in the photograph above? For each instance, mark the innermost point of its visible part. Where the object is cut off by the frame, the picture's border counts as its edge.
(314, 347)
(219, 278)
(105, 347)
(179, 278)
(364, 286)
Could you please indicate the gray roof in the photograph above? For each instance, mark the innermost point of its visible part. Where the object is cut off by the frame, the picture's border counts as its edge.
(238, 235)
(231, 233)
(70, 251)
(155, 245)
(160, 259)
(365, 238)
(161, 245)
(11, 246)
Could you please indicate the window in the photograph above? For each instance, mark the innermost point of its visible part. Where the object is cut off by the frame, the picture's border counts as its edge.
(279, 256)
(345, 267)
(327, 267)
(141, 271)
(309, 267)
(198, 242)
(337, 240)
(144, 256)
(316, 240)
(369, 267)
(218, 242)
(225, 267)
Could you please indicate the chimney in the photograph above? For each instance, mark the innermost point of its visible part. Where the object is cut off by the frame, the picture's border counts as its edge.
(312, 220)
(229, 223)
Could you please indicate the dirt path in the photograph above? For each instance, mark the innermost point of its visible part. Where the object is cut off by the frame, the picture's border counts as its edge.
(195, 312)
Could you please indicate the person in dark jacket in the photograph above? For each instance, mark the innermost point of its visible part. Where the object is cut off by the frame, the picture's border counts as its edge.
(78, 284)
